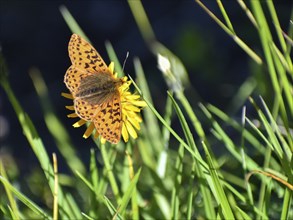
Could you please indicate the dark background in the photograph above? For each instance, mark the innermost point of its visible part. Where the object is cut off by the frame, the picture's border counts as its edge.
(34, 34)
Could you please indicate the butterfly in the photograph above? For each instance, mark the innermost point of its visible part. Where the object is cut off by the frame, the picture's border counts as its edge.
(94, 88)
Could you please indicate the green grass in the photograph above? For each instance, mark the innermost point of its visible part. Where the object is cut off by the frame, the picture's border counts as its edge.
(164, 174)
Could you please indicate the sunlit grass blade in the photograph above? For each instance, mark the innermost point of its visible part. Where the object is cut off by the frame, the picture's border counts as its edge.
(271, 136)
(273, 67)
(176, 78)
(163, 204)
(54, 125)
(188, 148)
(85, 181)
(163, 157)
(150, 119)
(247, 134)
(284, 146)
(12, 203)
(287, 204)
(71, 22)
(134, 205)
(244, 91)
(255, 128)
(38, 147)
(236, 125)
(276, 22)
(243, 144)
(87, 216)
(191, 114)
(281, 58)
(220, 195)
(225, 15)
(190, 200)
(94, 171)
(199, 170)
(243, 214)
(237, 40)
(24, 199)
(224, 180)
(250, 138)
(224, 137)
(142, 21)
(10, 211)
(113, 57)
(129, 193)
(248, 12)
(109, 172)
(175, 200)
(146, 152)
(285, 84)
(129, 169)
(115, 215)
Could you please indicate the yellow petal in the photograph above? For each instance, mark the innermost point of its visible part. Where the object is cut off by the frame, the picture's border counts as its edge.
(89, 130)
(70, 107)
(79, 123)
(132, 97)
(67, 95)
(103, 140)
(111, 67)
(139, 103)
(126, 94)
(131, 130)
(125, 133)
(134, 115)
(135, 123)
(125, 85)
(131, 108)
(72, 115)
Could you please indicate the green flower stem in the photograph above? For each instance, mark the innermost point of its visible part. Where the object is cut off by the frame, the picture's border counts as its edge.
(190, 112)
(109, 173)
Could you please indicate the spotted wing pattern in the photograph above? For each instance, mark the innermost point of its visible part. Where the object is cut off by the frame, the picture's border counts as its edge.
(108, 120)
(73, 78)
(85, 61)
(85, 110)
(84, 56)
(97, 101)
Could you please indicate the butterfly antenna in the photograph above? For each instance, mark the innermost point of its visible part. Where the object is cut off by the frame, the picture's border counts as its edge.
(127, 54)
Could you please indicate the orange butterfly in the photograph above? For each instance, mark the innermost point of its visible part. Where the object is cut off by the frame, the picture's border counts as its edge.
(94, 89)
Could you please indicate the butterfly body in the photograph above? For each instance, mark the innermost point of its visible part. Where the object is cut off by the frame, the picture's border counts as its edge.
(94, 88)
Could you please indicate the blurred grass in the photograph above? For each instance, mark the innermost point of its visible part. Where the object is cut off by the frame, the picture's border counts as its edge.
(170, 174)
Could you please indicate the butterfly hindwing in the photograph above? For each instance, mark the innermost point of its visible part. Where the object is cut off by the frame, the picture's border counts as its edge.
(85, 110)
(108, 120)
(73, 78)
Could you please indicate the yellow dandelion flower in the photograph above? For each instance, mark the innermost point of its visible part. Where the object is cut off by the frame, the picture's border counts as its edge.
(99, 97)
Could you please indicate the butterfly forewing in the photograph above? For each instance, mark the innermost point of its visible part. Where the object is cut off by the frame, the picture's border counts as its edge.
(84, 56)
